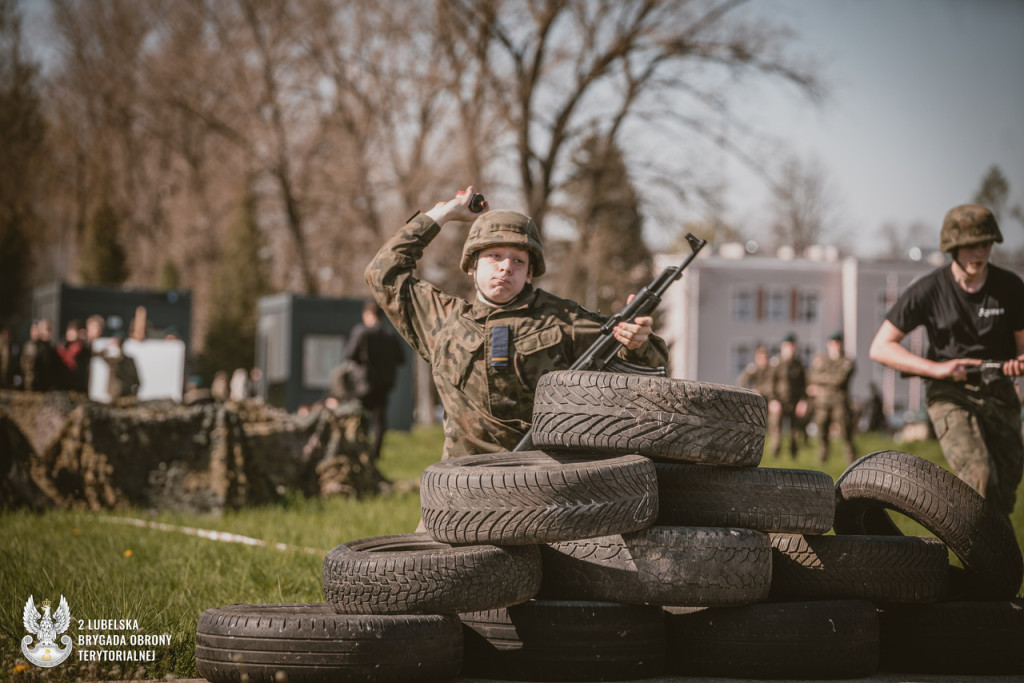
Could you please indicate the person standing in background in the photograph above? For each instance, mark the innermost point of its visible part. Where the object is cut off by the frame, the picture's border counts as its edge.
(788, 403)
(758, 375)
(377, 350)
(123, 379)
(75, 356)
(828, 385)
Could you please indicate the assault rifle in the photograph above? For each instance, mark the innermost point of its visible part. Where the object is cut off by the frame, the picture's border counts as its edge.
(603, 353)
(988, 372)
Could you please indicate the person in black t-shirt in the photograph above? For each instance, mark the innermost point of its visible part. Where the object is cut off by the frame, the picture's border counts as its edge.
(973, 311)
(378, 350)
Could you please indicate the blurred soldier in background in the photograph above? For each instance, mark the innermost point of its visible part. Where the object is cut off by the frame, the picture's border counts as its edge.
(828, 384)
(124, 375)
(973, 311)
(377, 350)
(39, 360)
(788, 404)
(758, 375)
(7, 358)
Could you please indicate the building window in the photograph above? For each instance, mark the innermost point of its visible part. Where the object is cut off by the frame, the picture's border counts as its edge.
(807, 306)
(742, 356)
(777, 306)
(743, 304)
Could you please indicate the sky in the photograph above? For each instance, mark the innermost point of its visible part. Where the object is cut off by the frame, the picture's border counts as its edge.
(925, 96)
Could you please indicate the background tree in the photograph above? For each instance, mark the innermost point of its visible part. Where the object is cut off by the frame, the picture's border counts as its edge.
(22, 155)
(903, 242)
(346, 115)
(804, 208)
(609, 259)
(993, 191)
(102, 260)
(559, 71)
(240, 282)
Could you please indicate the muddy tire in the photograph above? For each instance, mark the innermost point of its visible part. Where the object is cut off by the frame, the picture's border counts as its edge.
(552, 640)
(798, 640)
(944, 504)
(662, 565)
(659, 417)
(414, 574)
(965, 638)
(533, 497)
(310, 642)
(763, 498)
(880, 568)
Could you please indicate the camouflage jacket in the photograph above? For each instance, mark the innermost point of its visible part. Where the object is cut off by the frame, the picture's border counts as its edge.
(757, 378)
(487, 393)
(831, 376)
(788, 382)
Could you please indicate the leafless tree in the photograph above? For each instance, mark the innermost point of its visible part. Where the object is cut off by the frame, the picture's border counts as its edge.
(900, 242)
(804, 205)
(558, 71)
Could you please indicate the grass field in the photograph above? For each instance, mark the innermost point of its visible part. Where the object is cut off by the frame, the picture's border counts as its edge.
(108, 569)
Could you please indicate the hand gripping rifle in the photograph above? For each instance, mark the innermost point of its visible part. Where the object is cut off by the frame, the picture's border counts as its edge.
(988, 372)
(603, 353)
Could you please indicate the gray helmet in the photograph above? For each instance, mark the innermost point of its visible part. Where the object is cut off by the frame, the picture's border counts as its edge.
(504, 228)
(966, 225)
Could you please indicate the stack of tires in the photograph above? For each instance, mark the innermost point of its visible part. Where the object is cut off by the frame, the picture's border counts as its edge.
(643, 539)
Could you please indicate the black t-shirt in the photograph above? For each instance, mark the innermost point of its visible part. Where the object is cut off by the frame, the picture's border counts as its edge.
(961, 324)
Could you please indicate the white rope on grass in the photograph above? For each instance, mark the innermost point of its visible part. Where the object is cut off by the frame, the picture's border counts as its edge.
(212, 535)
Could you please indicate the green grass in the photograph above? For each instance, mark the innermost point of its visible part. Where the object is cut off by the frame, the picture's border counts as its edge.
(165, 579)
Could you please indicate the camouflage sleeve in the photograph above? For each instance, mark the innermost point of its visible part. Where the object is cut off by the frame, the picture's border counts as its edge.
(416, 308)
(651, 354)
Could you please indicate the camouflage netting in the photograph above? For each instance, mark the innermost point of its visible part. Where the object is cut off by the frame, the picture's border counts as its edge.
(69, 452)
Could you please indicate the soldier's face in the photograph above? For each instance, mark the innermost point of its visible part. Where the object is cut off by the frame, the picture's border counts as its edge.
(501, 272)
(973, 259)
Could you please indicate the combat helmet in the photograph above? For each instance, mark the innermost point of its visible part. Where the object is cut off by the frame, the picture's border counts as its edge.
(968, 224)
(504, 228)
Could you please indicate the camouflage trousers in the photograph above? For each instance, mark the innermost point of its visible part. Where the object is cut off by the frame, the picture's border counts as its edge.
(829, 411)
(797, 430)
(980, 435)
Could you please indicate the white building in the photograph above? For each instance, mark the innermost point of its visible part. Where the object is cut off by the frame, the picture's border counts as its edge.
(726, 304)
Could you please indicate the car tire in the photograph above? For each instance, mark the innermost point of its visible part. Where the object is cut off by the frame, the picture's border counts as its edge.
(767, 499)
(532, 497)
(660, 417)
(880, 568)
(662, 565)
(414, 574)
(977, 638)
(794, 640)
(310, 643)
(558, 640)
(944, 504)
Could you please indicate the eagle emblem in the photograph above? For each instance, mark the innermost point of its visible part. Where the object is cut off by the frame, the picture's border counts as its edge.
(46, 628)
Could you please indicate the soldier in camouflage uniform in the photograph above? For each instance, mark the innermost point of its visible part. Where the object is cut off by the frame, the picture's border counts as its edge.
(486, 355)
(828, 384)
(973, 310)
(758, 375)
(788, 404)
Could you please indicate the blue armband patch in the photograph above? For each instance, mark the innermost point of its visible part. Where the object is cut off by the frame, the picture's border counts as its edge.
(499, 346)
